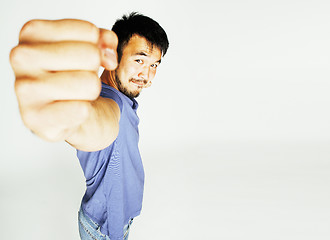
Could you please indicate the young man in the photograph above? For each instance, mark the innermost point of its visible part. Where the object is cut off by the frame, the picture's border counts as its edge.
(61, 98)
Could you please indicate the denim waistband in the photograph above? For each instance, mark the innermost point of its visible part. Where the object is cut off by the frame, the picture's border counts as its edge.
(96, 226)
(88, 219)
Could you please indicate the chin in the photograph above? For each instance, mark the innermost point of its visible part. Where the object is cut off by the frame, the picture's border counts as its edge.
(131, 94)
(135, 94)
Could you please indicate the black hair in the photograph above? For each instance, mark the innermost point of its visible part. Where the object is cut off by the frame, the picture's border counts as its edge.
(136, 23)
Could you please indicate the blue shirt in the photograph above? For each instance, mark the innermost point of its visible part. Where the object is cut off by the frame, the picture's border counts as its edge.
(115, 175)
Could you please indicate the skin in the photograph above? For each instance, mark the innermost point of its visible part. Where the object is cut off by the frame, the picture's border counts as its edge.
(136, 69)
(57, 87)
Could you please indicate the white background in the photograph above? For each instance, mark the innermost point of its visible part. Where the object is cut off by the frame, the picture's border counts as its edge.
(234, 131)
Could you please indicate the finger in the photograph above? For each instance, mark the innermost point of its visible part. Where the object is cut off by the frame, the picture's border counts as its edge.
(56, 121)
(58, 30)
(34, 59)
(108, 42)
(58, 86)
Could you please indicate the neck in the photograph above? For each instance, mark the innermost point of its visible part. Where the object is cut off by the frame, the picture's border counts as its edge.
(108, 77)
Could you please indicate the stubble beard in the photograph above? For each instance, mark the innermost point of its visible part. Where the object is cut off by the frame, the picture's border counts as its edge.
(124, 90)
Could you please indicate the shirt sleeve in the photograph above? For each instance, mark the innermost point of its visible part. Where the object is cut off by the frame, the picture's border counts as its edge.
(92, 162)
(111, 93)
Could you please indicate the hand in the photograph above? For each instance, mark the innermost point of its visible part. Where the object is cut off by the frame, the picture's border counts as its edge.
(56, 65)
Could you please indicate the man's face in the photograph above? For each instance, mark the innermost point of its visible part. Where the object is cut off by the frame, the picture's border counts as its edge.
(137, 66)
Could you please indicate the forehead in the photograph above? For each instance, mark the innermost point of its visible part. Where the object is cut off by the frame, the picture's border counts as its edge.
(138, 44)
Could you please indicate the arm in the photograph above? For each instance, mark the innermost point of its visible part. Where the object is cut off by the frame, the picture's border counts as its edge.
(100, 128)
(57, 87)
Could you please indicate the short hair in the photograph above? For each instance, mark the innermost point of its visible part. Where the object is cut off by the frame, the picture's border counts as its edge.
(138, 24)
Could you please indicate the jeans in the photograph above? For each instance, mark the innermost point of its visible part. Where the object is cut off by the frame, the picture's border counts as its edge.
(89, 230)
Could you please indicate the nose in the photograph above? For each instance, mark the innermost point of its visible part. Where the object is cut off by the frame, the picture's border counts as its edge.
(144, 73)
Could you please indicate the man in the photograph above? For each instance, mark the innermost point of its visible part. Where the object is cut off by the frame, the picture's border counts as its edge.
(61, 98)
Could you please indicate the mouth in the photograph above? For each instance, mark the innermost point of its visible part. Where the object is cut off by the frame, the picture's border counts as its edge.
(138, 83)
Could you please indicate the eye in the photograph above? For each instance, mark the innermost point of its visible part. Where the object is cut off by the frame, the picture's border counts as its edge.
(155, 65)
(139, 61)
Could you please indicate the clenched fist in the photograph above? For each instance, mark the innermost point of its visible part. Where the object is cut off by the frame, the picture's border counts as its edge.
(56, 65)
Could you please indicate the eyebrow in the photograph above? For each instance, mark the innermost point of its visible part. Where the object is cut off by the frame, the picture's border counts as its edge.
(141, 54)
(146, 55)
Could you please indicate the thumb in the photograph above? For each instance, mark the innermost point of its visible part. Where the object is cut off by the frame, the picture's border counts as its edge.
(108, 42)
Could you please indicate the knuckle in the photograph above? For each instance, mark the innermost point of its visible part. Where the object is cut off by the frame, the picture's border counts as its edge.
(20, 87)
(29, 118)
(28, 28)
(15, 55)
(18, 56)
(23, 88)
(95, 86)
